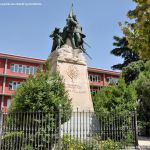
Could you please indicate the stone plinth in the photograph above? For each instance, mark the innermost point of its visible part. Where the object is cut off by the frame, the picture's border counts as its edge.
(71, 65)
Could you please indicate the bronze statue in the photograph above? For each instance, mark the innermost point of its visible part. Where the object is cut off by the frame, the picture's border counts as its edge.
(57, 39)
(73, 31)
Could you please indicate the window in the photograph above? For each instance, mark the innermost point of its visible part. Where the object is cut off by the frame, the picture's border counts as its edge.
(31, 70)
(107, 79)
(12, 67)
(35, 69)
(94, 78)
(93, 91)
(23, 69)
(27, 69)
(13, 85)
(112, 80)
(20, 68)
(16, 69)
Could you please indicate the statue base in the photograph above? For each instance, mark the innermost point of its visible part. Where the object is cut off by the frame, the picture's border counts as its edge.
(71, 65)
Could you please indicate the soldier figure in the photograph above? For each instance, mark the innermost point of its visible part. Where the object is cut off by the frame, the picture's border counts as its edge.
(57, 39)
(74, 31)
(78, 36)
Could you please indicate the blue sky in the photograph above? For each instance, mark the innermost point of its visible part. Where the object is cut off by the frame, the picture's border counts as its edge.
(24, 30)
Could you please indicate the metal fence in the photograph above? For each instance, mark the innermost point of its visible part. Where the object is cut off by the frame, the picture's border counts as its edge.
(54, 131)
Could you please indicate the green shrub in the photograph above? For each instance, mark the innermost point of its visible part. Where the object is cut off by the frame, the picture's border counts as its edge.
(110, 145)
(91, 144)
(11, 137)
(27, 147)
(70, 143)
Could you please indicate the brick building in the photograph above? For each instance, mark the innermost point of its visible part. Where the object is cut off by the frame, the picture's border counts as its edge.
(15, 69)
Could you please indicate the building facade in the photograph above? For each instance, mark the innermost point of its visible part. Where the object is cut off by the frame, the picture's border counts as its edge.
(16, 69)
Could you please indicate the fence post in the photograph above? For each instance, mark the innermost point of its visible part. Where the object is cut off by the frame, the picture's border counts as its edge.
(1, 126)
(136, 128)
(59, 128)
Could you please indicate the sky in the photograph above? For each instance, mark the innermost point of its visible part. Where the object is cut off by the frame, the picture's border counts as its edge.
(25, 26)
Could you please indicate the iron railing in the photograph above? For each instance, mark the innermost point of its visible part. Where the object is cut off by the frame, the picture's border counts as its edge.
(54, 131)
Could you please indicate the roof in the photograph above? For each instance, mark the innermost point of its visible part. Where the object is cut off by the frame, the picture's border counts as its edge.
(22, 58)
(42, 61)
(97, 70)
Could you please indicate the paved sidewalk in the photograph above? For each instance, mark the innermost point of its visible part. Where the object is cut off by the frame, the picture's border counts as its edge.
(144, 143)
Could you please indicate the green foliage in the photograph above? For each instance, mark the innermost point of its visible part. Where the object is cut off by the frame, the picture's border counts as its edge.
(13, 134)
(115, 104)
(129, 138)
(70, 143)
(92, 144)
(131, 72)
(11, 137)
(110, 145)
(38, 129)
(119, 97)
(42, 92)
(131, 65)
(142, 85)
(122, 50)
(138, 32)
(27, 147)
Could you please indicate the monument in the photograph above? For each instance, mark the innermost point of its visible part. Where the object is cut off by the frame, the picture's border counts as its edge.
(67, 58)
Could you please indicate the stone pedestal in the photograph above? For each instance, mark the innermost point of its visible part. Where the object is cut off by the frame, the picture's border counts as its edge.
(71, 65)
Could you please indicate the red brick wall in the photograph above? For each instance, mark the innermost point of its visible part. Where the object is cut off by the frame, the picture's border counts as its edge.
(5, 108)
(2, 65)
(1, 84)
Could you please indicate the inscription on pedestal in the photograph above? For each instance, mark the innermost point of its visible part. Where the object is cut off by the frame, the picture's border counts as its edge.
(75, 88)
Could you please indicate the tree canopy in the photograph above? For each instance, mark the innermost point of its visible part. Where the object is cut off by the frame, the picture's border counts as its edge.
(142, 85)
(43, 92)
(119, 97)
(122, 50)
(132, 71)
(138, 32)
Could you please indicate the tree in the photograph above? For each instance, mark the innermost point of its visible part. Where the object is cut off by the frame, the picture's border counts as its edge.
(43, 92)
(131, 65)
(119, 97)
(114, 106)
(138, 32)
(42, 95)
(132, 70)
(123, 51)
(142, 85)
